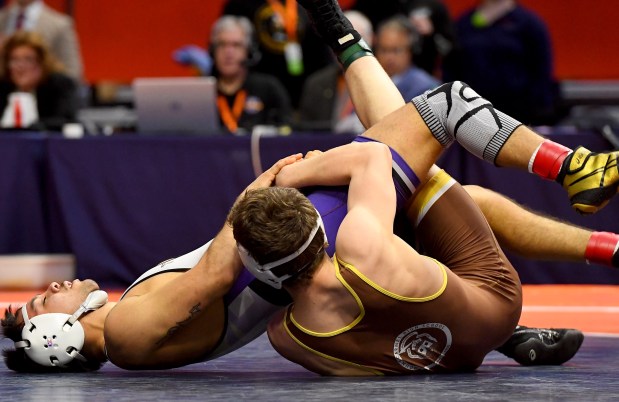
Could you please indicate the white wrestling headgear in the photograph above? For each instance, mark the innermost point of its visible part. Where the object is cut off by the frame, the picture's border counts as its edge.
(263, 272)
(55, 339)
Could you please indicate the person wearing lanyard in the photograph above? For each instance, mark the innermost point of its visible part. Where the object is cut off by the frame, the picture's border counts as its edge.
(290, 48)
(288, 17)
(245, 98)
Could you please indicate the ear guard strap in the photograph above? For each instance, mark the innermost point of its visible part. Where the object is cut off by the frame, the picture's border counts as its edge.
(94, 300)
(263, 272)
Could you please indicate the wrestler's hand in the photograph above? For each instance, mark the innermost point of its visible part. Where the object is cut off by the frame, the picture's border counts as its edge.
(313, 153)
(286, 176)
(267, 178)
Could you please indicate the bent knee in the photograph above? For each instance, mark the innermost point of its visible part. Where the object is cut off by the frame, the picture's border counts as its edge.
(478, 194)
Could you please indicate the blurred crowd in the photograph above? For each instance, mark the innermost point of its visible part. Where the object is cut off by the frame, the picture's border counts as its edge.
(272, 70)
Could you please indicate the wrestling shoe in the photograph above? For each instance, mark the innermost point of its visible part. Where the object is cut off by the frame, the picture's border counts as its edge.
(330, 23)
(542, 347)
(591, 179)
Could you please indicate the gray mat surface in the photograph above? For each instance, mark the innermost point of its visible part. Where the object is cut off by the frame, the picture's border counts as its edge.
(257, 373)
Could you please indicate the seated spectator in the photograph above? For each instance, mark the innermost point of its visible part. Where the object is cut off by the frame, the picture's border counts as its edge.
(431, 19)
(393, 47)
(325, 102)
(505, 54)
(246, 99)
(436, 34)
(34, 92)
(56, 29)
(290, 48)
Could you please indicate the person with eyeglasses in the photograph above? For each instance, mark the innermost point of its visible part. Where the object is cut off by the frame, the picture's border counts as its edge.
(35, 92)
(395, 40)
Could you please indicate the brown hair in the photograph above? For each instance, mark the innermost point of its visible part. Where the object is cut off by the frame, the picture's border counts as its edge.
(274, 222)
(17, 360)
(34, 41)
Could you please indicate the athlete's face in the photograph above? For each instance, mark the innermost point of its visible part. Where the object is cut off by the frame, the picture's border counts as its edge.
(63, 297)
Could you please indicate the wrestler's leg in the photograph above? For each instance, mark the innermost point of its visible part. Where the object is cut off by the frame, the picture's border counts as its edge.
(455, 112)
(528, 346)
(454, 231)
(372, 91)
(373, 94)
(365, 76)
(533, 235)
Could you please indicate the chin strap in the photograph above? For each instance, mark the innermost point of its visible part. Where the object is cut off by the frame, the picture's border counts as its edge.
(94, 301)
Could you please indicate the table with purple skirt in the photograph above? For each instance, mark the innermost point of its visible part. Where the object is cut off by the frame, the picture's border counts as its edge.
(123, 203)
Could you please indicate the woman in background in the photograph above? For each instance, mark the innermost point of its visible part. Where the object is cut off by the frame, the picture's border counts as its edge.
(34, 91)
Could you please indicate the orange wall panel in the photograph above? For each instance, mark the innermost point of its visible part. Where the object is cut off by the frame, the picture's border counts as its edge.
(125, 39)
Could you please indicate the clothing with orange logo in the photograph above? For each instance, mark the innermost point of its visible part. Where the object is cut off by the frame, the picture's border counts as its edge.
(262, 100)
(273, 34)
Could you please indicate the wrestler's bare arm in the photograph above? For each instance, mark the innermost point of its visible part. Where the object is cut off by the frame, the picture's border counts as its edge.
(366, 168)
(150, 329)
(334, 167)
(154, 329)
(365, 238)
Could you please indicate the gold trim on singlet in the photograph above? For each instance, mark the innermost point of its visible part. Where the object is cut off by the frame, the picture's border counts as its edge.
(343, 329)
(394, 295)
(325, 356)
(429, 193)
(336, 263)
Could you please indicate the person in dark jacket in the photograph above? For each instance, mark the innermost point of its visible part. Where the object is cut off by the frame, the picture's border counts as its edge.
(34, 91)
(245, 98)
(505, 53)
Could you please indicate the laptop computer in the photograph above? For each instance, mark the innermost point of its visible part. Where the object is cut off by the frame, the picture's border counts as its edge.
(177, 105)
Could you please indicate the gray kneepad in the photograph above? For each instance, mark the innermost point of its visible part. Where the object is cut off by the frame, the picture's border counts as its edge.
(455, 112)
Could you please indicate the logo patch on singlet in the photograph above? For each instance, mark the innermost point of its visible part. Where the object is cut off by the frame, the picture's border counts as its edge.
(164, 263)
(422, 346)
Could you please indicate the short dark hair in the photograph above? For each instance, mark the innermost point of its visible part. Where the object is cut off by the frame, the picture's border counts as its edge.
(272, 223)
(17, 360)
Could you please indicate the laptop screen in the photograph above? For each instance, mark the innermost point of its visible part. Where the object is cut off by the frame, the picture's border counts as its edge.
(176, 105)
